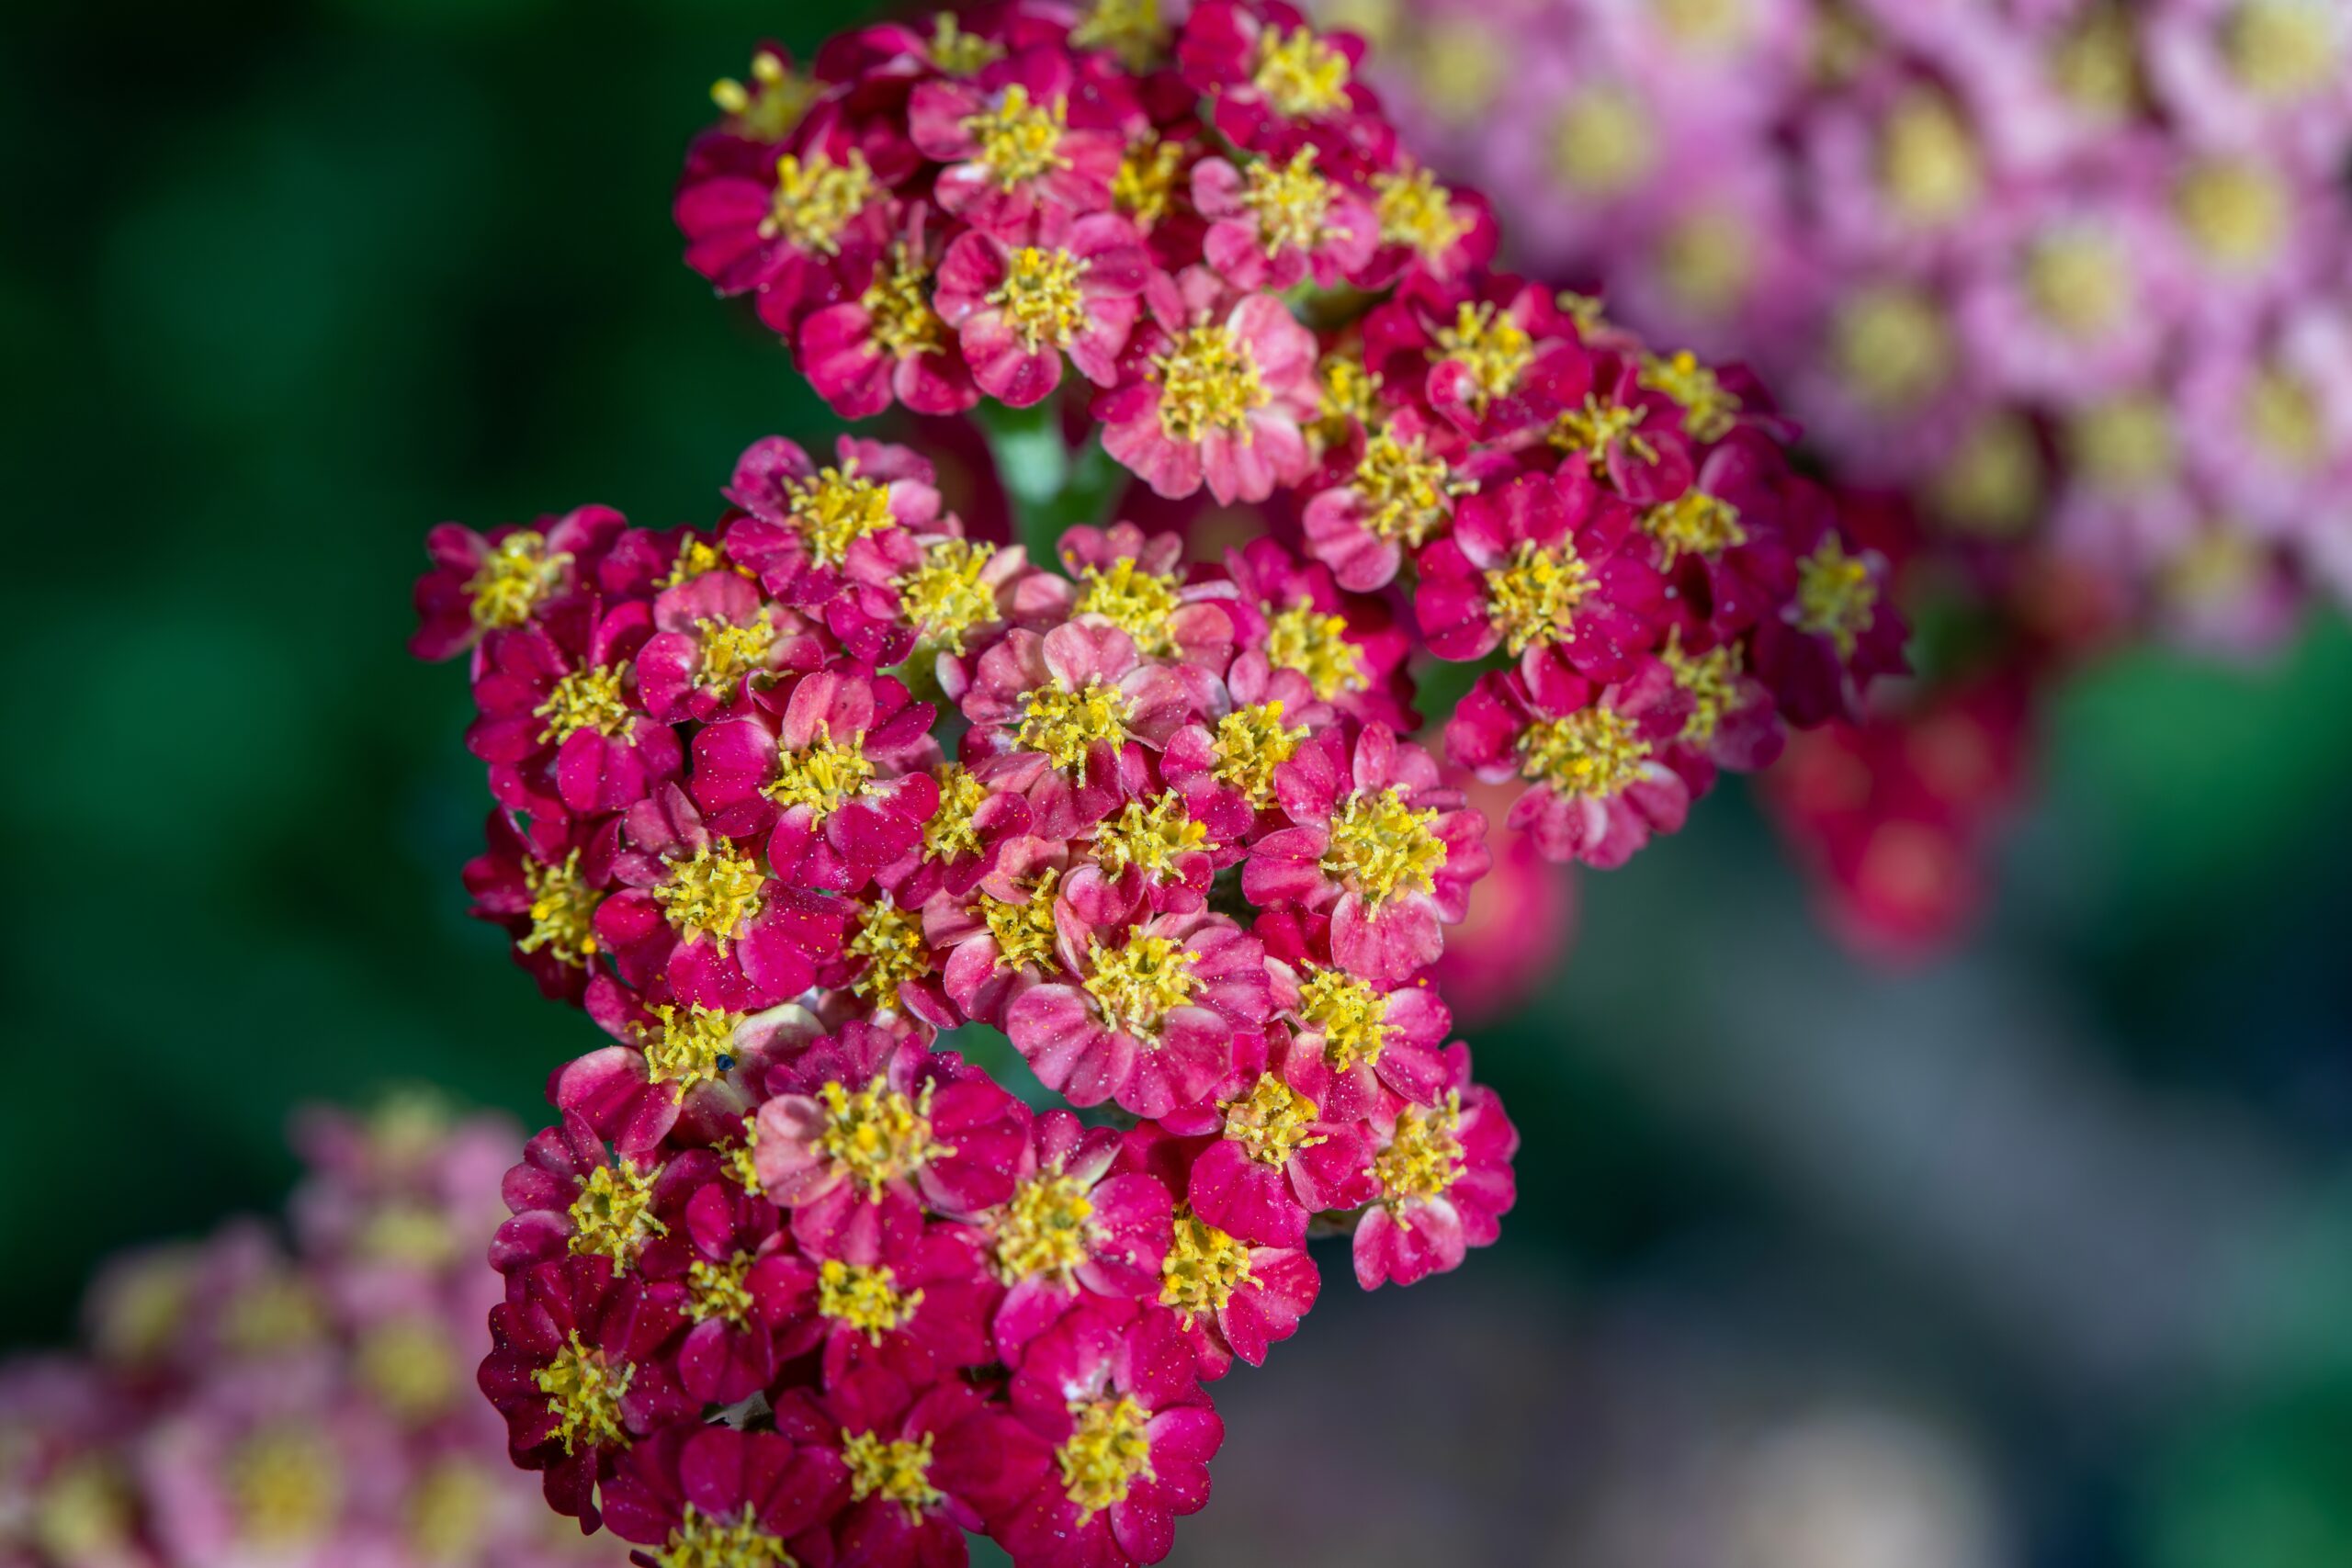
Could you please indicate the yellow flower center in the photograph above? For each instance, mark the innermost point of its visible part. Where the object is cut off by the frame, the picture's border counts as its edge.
(444, 1512)
(1406, 492)
(1992, 483)
(831, 510)
(1346, 392)
(1138, 603)
(2236, 212)
(1709, 409)
(1487, 342)
(822, 775)
(701, 1541)
(586, 698)
(898, 307)
(1273, 1122)
(1289, 200)
(950, 834)
(771, 112)
(1459, 66)
(1024, 934)
(1424, 1157)
(564, 911)
(1593, 753)
(584, 1392)
(1835, 595)
(1595, 428)
(1695, 523)
(1150, 838)
(1380, 847)
(1042, 1231)
(694, 557)
(1893, 345)
(1415, 211)
(2078, 282)
(1927, 161)
(876, 1134)
(1350, 1014)
(1299, 72)
(1145, 183)
(2125, 446)
(1205, 1266)
(1040, 298)
(1138, 985)
(1602, 140)
(815, 200)
(945, 596)
(729, 651)
(1208, 380)
(1251, 742)
(1315, 645)
(1533, 599)
(898, 1470)
(285, 1488)
(1129, 29)
(2096, 65)
(614, 1214)
(866, 1296)
(714, 895)
(957, 53)
(513, 577)
(2282, 50)
(717, 1289)
(409, 1364)
(1108, 1449)
(1710, 679)
(1065, 725)
(2283, 417)
(696, 1046)
(1019, 139)
(890, 940)
(1707, 259)
(1710, 24)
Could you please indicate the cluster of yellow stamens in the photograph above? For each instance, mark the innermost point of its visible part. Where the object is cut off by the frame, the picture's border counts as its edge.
(1347, 395)
(1139, 601)
(769, 113)
(701, 1541)
(1152, 838)
(563, 910)
(1251, 742)
(866, 1296)
(285, 1488)
(1290, 201)
(584, 1392)
(1533, 598)
(590, 697)
(1350, 1014)
(718, 1289)
(898, 307)
(1302, 638)
(696, 1046)
(694, 557)
(1414, 209)
(1592, 753)
(1695, 523)
(877, 1134)
(1129, 29)
(1145, 183)
(1205, 1266)
(833, 508)
(730, 651)
(822, 776)
(1835, 595)
(897, 1470)
(1024, 934)
(1709, 409)
(513, 577)
(946, 596)
(1406, 490)
(1041, 298)
(1208, 380)
(1299, 72)
(890, 941)
(1710, 679)
(1594, 430)
(1137, 984)
(816, 199)
(714, 895)
(1424, 1157)
(1066, 725)
(614, 1214)
(1273, 1122)
(1489, 342)
(957, 53)
(1041, 1233)
(1108, 1447)
(1020, 140)
(1381, 848)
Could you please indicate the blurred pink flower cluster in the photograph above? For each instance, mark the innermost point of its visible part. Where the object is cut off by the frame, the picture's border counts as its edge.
(2065, 268)
(239, 1402)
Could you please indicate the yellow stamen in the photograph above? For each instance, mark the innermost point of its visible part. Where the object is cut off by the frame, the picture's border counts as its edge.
(1695, 523)
(1251, 742)
(1025, 933)
(587, 698)
(1380, 847)
(1927, 161)
(714, 895)
(2283, 51)
(1893, 345)
(773, 106)
(898, 308)
(865, 1296)
(1596, 429)
(1603, 139)
(832, 508)
(1108, 1449)
(878, 1135)
(696, 1046)
(957, 53)
(1208, 380)
(1066, 725)
(1273, 1122)
(949, 835)
(890, 940)
(1712, 680)
(1138, 985)
(1304, 638)
(1592, 753)
(898, 1470)
(1019, 139)
(1300, 73)
(729, 651)
(822, 776)
(1350, 1014)
(1533, 599)
(701, 1541)
(1041, 298)
(285, 1488)
(564, 911)
(1424, 1157)
(584, 1392)
(717, 1289)
(1137, 602)
(1415, 211)
(514, 578)
(1129, 29)
(1290, 201)
(1152, 838)
(1205, 1266)
(1489, 343)
(1835, 595)
(947, 596)
(815, 200)
(613, 1217)
(1709, 411)
(1041, 1234)
(1145, 183)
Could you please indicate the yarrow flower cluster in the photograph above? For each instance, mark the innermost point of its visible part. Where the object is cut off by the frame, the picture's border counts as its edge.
(239, 1403)
(806, 807)
(2072, 272)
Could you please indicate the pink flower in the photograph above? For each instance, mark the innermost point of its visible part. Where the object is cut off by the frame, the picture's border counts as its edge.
(789, 227)
(907, 1305)
(925, 1466)
(1392, 490)
(1445, 1183)
(1067, 287)
(1496, 357)
(715, 1494)
(1275, 221)
(1376, 842)
(1278, 1157)
(1840, 629)
(1073, 1227)
(1010, 145)
(558, 706)
(497, 583)
(1353, 1041)
(1112, 1389)
(546, 900)
(1149, 1010)
(1265, 70)
(680, 1068)
(715, 636)
(740, 1280)
(889, 344)
(809, 527)
(1544, 562)
(1215, 389)
(569, 1198)
(1598, 783)
(999, 936)
(868, 1129)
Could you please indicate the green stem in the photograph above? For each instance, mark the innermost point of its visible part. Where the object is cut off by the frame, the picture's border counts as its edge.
(1051, 489)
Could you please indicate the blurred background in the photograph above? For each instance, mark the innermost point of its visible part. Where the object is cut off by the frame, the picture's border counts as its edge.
(2040, 1253)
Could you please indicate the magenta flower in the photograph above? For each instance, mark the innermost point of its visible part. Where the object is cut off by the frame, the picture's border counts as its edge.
(1275, 221)
(481, 585)
(1839, 631)
(1000, 937)
(1010, 145)
(741, 1280)
(1278, 1158)
(790, 226)
(1019, 309)
(908, 1304)
(1113, 1389)
(567, 1198)
(925, 1466)
(718, 1494)
(680, 1068)
(1267, 71)
(558, 704)
(715, 635)
(1376, 843)
(1074, 1228)
(546, 899)
(1494, 357)
(1353, 1041)
(1216, 388)
(887, 342)
(1445, 1183)
(812, 527)
(1393, 490)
